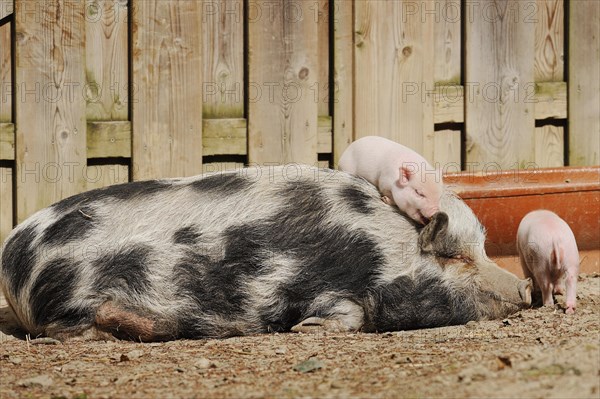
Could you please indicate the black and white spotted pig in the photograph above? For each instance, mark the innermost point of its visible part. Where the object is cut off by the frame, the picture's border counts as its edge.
(252, 251)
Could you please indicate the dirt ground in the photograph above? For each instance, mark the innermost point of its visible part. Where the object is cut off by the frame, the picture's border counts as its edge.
(536, 353)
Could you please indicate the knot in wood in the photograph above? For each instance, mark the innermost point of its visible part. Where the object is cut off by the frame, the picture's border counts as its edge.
(407, 51)
(303, 74)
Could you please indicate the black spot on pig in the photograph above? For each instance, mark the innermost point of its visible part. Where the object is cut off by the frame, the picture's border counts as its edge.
(125, 191)
(332, 256)
(186, 236)
(215, 286)
(75, 225)
(358, 200)
(127, 268)
(18, 258)
(417, 302)
(224, 183)
(52, 292)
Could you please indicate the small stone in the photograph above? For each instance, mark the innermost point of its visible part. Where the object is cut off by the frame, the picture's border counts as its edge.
(40, 380)
(280, 351)
(404, 360)
(135, 354)
(309, 365)
(204, 363)
(472, 324)
(123, 380)
(15, 360)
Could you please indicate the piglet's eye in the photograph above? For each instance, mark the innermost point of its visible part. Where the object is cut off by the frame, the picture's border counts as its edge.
(420, 194)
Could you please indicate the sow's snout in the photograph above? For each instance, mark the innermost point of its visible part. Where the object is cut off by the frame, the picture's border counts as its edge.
(499, 292)
(505, 292)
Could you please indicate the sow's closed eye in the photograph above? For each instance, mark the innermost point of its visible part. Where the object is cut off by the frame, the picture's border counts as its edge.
(447, 260)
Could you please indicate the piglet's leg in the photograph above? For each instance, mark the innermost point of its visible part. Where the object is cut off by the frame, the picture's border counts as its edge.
(559, 287)
(571, 291)
(547, 289)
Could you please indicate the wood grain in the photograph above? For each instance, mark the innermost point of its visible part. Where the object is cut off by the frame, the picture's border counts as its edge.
(6, 89)
(50, 116)
(394, 73)
(167, 80)
(550, 100)
(6, 8)
(224, 136)
(7, 141)
(223, 59)
(321, 15)
(6, 199)
(343, 77)
(446, 154)
(106, 60)
(98, 176)
(549, 146)
(447, 41)
(449, 104)
(549, 41)
(499, 104)
(584, 83)
(109, 139)
(283, 57)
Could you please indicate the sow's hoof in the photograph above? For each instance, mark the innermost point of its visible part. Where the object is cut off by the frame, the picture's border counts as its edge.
(318, 324)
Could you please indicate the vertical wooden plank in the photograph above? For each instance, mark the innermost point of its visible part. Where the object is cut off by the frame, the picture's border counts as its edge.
(549, 41)
(446, 153)
(283, 56)
(223, 58)
(6, 8)
(394, 72)
(167, 82)
(549, 146)
(499, 95)
(321, 15)
(98, 176)
(106, 60)
(447, 42)
(343, 78)
(50, 116)
(6, 199)
(584, 83)
(5, 74)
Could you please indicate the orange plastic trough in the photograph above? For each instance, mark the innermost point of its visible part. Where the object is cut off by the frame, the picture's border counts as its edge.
(501, 199)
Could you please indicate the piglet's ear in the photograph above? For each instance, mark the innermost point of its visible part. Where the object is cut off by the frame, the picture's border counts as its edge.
(405, 176)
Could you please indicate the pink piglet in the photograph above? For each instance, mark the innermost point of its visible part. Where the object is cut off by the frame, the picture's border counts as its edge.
(549, 255)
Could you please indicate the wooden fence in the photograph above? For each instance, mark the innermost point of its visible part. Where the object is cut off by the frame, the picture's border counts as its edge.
(97, 92)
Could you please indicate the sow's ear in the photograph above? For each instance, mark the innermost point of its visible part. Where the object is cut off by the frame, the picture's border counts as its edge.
(434, 233)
